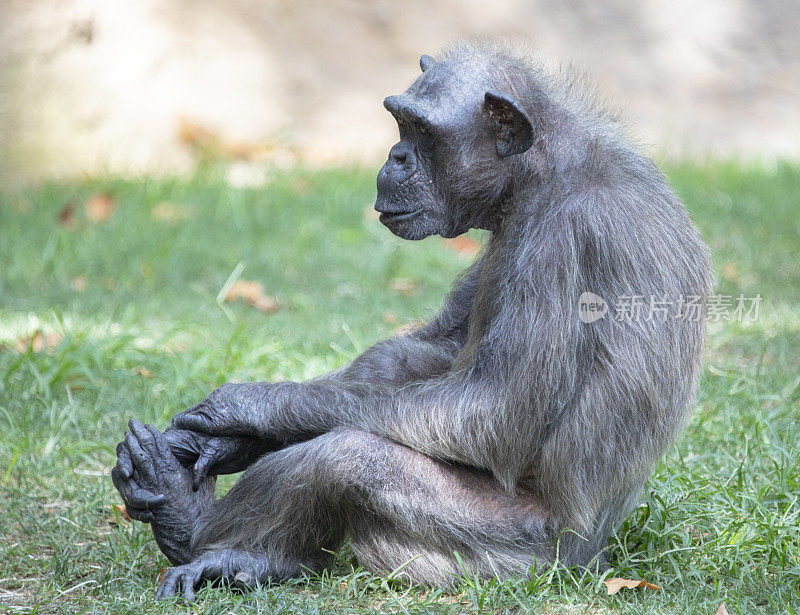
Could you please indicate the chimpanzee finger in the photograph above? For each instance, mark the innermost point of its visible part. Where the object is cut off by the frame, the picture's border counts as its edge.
(141, 460)
(136, 497)
(161, 444)
(139, 514)
(190, 580)
(184, 445)
(208, 457)
(195, 418)
(195, 422)
(144, 436)
(124, 463)
(169, 585)
(116, 477)
(133, 495)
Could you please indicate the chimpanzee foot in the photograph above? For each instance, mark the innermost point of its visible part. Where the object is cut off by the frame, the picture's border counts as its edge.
(239, 568)
(158, 490)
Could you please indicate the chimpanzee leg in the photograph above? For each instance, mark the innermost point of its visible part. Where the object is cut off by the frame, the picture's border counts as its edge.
(403, 510)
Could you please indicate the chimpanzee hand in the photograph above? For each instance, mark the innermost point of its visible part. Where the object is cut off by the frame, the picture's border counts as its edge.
(157, 489)
(234, 409)
(205, 455)
(211, 455)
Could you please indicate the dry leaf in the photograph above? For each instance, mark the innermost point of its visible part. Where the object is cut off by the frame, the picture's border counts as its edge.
(123, 512)
(79, 284)
(463, 245)
(142, 371)
(390, 318)
(209, 144)
(615, 584)
(38, 342)
(252, 293)
(403, 286)
(66, 217)
(722, 610)
(100, 206)
(731, 272)
(160, 575)
(171, 212)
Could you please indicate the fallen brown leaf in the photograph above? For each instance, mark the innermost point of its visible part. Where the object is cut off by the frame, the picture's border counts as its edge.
(390, 318)
(252, 293)
(100, 206)
(403, 286)
(79, 284)
(142, 371)
(171, 212)
(616, 584)
(38, 342)
(463, 245)
(123, 512)
(208, 144)
(731, 272)
(722, 610)
(66, 217)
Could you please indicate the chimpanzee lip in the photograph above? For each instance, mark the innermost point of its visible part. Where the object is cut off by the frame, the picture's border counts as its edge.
(398, 216)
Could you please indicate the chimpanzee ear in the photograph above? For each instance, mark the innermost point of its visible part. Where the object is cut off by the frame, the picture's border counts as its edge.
(512, 126)
(425, 62)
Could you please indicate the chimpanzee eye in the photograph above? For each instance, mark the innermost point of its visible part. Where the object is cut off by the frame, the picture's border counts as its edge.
(425, 136)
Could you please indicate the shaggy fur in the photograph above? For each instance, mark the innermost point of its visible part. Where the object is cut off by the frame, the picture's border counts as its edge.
(506, 430)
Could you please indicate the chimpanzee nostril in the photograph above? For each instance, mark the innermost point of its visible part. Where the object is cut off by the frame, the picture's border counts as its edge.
(402, 162)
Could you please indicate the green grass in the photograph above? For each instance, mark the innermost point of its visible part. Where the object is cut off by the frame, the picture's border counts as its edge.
(147, 337)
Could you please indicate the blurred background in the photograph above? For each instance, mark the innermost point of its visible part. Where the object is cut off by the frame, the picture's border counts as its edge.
(186, 199)
(92, 86)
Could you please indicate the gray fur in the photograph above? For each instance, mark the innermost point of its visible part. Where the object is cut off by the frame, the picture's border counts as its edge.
(506, 428)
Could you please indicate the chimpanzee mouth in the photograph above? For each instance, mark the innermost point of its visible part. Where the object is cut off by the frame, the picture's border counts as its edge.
(401, 216)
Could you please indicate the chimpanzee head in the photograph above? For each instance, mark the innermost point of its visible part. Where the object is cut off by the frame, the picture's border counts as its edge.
(459, 131)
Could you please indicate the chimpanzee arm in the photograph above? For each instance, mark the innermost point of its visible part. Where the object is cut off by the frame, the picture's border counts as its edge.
(425, 353)
(487, 417)
(509, 378)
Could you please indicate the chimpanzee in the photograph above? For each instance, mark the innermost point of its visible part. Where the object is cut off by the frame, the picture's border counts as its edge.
(510, 430)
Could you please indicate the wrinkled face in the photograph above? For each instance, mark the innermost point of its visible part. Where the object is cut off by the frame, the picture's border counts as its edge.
(444, 173)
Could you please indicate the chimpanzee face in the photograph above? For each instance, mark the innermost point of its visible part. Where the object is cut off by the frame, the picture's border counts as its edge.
(446, 172)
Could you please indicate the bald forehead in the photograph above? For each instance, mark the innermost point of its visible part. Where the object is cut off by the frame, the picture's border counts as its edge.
(446, 91)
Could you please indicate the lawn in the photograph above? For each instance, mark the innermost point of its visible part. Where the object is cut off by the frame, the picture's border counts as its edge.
(112, 305)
